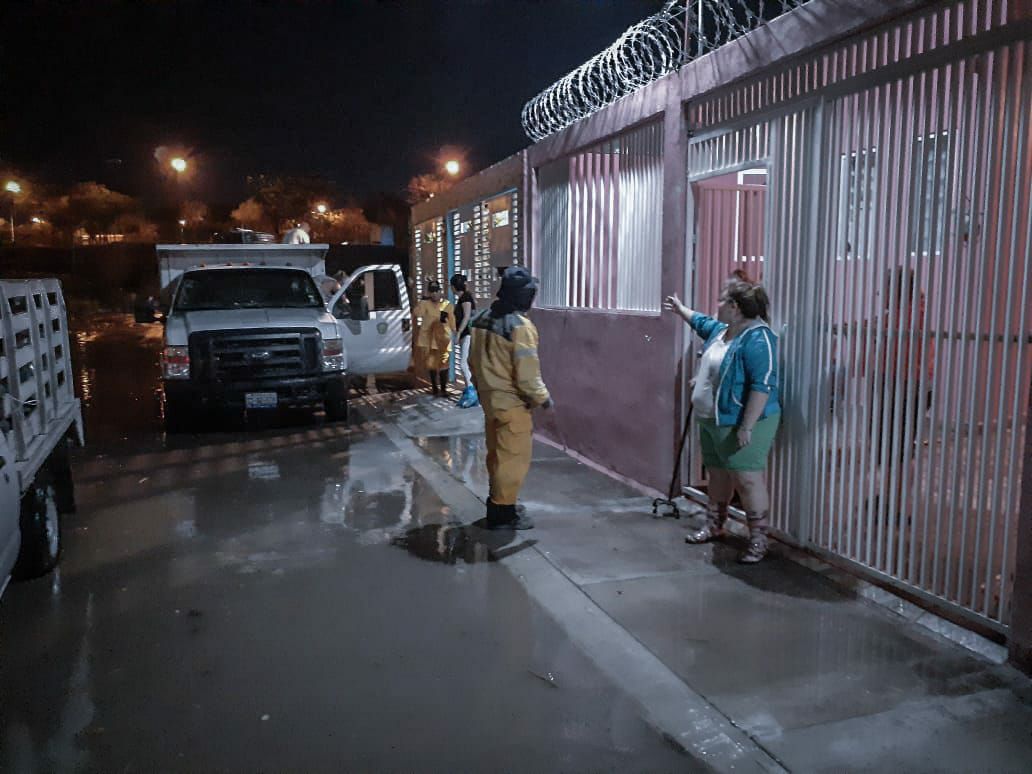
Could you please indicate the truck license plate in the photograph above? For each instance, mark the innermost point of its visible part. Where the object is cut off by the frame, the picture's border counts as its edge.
(260, 400)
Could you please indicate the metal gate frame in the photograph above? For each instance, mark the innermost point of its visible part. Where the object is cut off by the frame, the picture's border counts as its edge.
(691, 465)
(814, 169)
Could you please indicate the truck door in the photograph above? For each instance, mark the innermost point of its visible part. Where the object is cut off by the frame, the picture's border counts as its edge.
(373, 307)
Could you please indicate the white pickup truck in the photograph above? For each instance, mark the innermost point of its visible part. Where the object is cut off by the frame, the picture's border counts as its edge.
(39, 416)
(248, 327)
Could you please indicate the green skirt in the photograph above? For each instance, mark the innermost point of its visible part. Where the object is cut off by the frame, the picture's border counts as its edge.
(720, 445)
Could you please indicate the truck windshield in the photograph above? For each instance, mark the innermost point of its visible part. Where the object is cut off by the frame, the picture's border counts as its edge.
(246, 289)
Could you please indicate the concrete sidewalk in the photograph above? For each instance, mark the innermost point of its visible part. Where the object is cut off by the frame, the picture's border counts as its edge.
(768, 667)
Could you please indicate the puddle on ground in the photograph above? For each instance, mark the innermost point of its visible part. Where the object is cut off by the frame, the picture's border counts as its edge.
(454, 542)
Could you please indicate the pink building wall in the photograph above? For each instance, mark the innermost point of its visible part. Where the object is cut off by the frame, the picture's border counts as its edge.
(616, 376)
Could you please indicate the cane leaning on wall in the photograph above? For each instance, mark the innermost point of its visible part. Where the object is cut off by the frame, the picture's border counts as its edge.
(735, 401)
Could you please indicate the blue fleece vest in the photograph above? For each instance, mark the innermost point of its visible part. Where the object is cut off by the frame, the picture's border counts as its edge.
(750, 363)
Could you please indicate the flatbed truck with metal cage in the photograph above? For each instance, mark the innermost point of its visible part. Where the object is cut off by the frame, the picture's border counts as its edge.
(39, 418)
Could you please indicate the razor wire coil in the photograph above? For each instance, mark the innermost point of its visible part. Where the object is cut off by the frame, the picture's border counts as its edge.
(646, 51)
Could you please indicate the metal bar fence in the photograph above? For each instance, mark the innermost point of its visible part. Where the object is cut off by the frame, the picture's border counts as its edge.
(601, 225)
(919, 359)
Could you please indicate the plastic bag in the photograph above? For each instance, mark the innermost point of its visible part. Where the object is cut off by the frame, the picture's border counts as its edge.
(469, 398)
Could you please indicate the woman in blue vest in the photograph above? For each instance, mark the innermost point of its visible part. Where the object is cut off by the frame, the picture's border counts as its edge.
(735, 403)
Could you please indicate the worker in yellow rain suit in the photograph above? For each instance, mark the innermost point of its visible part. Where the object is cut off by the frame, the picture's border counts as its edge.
(507, 375)
(435, 324)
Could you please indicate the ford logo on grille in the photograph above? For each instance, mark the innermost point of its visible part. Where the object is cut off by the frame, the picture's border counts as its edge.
(257, 357)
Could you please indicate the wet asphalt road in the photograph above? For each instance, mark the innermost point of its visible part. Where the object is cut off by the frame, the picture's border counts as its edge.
(260, 599)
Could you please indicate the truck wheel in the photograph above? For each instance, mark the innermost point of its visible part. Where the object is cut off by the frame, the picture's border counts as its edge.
(61, 466)
(336, 409)
(40, 529)
(178, 416)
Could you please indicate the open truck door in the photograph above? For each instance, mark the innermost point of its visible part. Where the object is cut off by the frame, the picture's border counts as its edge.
(376, 320)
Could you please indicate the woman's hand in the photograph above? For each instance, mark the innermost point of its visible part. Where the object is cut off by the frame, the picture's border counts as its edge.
(744, 437)
(673, 303)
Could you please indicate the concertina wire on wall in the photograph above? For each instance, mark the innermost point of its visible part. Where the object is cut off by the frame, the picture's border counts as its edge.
(660, 44)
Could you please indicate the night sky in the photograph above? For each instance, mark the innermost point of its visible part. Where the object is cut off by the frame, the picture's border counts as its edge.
(362, 93)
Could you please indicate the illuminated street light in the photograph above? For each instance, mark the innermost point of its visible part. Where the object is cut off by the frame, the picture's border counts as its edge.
(320, 208)
(178, 164)
(12, 187)
(452, 167)
(36, 219)
(182, 228)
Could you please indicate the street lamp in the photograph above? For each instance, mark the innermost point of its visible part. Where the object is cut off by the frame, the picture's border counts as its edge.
(452, 167)
(320, 208)
(12, 187)
(179, 165)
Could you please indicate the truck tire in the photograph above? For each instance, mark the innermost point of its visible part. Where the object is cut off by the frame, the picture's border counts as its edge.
(178, 416)
(40, 528)
(336, 409)
(61, 467)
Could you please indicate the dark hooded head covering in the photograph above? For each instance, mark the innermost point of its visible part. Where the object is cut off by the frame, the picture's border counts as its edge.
(516, 293)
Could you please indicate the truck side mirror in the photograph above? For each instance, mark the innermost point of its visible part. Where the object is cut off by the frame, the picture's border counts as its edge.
(342, 310)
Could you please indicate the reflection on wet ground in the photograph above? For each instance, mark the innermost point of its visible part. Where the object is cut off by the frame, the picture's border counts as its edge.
(465, 457)
(231, 601)
(452, 542)
(117, 369)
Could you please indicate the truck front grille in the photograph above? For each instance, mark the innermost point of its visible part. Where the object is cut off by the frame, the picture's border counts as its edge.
(252, 355)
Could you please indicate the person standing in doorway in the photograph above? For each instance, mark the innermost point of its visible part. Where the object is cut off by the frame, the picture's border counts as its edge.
(735, 401)
(435, 321)
(465, 305)
(507, 374)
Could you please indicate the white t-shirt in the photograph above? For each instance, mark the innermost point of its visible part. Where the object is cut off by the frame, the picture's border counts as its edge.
(707, 379)
(296, 236)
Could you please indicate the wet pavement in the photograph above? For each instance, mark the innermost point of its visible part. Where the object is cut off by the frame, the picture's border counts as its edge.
(296, 595)
(285, 597)
(816, 676)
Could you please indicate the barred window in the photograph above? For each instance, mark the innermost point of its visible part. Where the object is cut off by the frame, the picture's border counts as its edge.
(602, 223)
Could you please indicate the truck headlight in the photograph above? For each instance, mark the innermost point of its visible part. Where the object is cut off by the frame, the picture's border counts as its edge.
(175, 363)
(333, 355)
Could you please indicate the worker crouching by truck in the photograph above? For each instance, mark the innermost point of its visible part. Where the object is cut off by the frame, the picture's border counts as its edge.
(507, 374)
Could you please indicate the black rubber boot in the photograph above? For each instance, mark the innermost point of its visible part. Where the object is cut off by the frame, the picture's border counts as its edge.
(507, 517)
(433, 382)
(444, 381)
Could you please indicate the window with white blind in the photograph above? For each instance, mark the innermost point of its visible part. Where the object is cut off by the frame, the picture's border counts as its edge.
(601, 225)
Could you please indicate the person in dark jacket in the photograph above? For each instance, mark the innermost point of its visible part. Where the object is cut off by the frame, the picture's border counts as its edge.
(465, 305)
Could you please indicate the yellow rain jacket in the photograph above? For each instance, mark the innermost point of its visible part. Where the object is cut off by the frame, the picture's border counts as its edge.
(504, 360)
(433, 338)
(507, 375)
